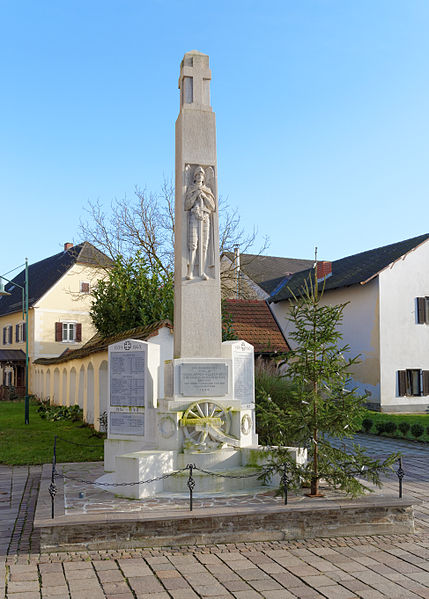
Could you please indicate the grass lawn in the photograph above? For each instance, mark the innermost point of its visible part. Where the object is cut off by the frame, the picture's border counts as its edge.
(33, 443)
(422, 419)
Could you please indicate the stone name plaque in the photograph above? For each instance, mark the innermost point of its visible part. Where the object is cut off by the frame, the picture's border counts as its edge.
(128, 368)
(126, 423)
(206, 380)
(243, 360)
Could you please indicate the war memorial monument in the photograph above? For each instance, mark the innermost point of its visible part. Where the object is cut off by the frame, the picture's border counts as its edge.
(206, 415)
(194, 405)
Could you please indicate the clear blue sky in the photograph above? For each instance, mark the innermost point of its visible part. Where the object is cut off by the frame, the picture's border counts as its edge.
(322, 113)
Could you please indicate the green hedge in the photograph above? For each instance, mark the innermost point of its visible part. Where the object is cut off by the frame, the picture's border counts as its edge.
(398, 426)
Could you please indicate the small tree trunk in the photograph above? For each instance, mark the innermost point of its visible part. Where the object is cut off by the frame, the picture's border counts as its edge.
(314, 489)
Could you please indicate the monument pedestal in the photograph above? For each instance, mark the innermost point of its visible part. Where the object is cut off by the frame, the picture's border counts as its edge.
(207, 414)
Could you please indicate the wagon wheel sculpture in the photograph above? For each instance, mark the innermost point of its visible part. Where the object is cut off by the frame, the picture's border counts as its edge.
(206, 425)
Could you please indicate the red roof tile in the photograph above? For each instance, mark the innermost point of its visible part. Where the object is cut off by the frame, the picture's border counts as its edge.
(253, 321)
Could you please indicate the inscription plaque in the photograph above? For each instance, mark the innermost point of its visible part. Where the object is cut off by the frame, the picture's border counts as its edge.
(128, 365)
(122, 423)
(206, 380)
(243, 360)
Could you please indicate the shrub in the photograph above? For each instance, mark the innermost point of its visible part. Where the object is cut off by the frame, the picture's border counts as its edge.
(417, 430)
(390, 427)
(404, 427)
(53, 413)
(367, 424)
(380, 427)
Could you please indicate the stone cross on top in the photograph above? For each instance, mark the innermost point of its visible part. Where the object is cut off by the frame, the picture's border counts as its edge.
(194, 81)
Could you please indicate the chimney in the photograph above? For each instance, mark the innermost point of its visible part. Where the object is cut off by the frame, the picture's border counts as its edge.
(67, 246)
(323, 270)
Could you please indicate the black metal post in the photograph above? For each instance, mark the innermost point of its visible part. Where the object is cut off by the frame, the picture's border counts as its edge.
(52, 486)
(400, 474)
(191, 484)
(285, 481)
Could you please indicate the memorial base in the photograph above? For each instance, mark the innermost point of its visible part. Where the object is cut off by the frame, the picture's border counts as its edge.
(234, 470)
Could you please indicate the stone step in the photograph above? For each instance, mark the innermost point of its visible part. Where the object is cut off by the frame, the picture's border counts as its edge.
(234, 479)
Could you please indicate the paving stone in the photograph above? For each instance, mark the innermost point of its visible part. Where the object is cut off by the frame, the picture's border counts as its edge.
(145, 584)
(116, 587)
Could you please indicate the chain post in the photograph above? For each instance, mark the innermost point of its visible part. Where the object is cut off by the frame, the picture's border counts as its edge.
(400, 474)
(52, 486)
(285, 481)
(191, 484)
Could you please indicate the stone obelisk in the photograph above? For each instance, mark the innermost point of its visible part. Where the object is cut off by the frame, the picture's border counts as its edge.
(197, 312)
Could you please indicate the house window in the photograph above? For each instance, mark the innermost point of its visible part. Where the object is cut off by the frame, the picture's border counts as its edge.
(20, 332)
(422, 310)
(413, 382)
(84, 287)
(7, 335)
(68, 331)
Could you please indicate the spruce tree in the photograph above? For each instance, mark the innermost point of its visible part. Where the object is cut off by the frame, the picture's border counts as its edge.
(325, 408)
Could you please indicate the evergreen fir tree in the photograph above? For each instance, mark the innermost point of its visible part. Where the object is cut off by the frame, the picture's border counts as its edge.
(325, 408)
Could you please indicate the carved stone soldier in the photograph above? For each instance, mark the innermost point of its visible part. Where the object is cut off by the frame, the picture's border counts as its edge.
(200, 203)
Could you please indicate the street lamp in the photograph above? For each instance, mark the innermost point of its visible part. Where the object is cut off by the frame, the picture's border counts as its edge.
(25, 317)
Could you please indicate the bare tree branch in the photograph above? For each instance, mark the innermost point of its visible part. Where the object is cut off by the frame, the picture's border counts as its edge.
(146, 224)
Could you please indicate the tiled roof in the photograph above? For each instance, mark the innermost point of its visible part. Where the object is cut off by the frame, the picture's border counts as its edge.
(44, 274)
(98, 343)
(253, 321)
(359, 268)
(268, 271)
(12, 355)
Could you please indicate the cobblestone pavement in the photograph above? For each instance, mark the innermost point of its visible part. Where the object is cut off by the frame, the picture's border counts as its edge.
(395, 566)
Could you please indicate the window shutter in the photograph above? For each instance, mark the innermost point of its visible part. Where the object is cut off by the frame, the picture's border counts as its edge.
(58, 331)
(78, 331)
(425, 378)
(10, 334)
(24, 332)
(17, 333)
(402, 382)
(421, 310)
(4, 335)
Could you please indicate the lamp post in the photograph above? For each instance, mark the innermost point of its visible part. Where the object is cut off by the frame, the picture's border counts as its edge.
(25, 318)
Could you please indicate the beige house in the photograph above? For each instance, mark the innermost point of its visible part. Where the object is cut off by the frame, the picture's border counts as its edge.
(58, 318)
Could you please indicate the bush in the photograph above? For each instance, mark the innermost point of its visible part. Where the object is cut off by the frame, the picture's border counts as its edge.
(53, 413)
(404, 427)
(367, 424)
(417, 430)
(380, 427)
(390, 427)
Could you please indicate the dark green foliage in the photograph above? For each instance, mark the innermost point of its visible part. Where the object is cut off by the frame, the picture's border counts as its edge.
(380, 427)
(133, 295)
(367, 424)
(417, 430)
(228, 333)
(274, 392)
(404, 427)
(390, 427)
(54, 413)
(324, 405)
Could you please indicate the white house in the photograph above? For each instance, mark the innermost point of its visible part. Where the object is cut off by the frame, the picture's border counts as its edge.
(386, 320)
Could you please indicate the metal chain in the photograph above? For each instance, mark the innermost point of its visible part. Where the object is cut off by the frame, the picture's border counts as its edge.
(219, 475)
(140, 482)
(79, 444)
